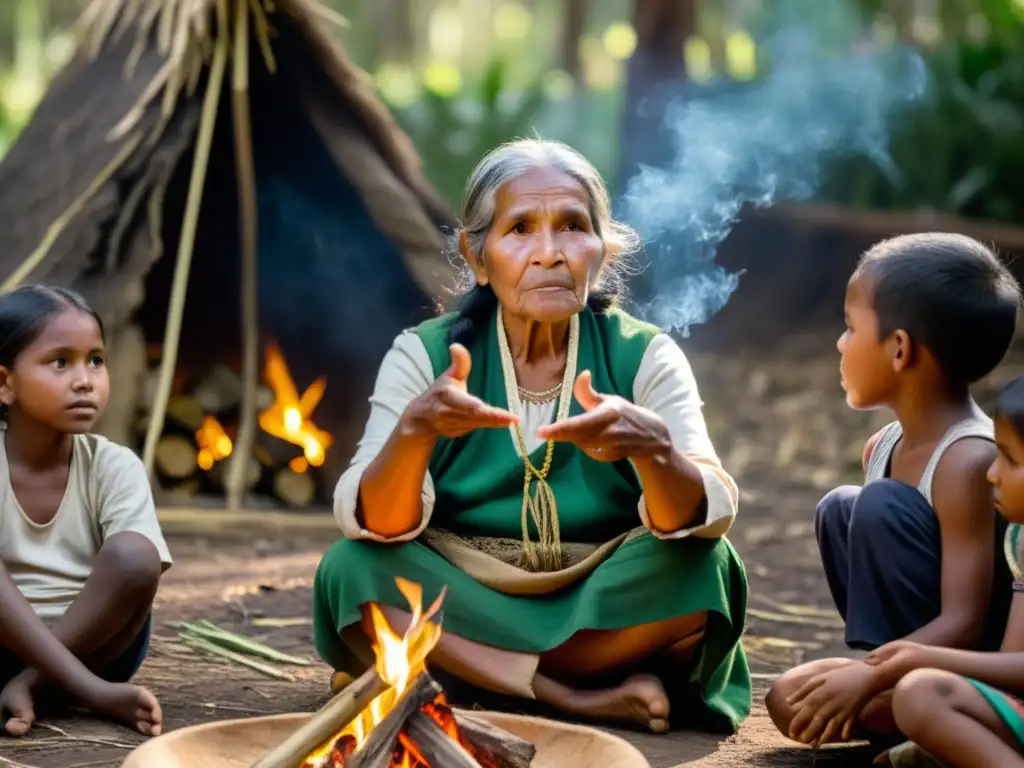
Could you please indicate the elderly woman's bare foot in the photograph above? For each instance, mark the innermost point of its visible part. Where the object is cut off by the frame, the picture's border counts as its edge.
(640, 700)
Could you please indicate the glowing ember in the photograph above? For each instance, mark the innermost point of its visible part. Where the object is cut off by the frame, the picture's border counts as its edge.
(214, 444)
(399, 661)
(288, 417)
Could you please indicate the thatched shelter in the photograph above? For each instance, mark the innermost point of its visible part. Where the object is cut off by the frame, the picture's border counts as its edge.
(214, 174)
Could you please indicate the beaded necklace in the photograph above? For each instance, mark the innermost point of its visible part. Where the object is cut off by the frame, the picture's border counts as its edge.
(540, 505)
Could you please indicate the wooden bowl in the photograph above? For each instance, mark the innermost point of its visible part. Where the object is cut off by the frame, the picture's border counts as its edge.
(239, 743)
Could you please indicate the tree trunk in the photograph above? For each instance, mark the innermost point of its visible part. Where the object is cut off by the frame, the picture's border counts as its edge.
(392, 30)
(902, 14)
(655, 74)
(574, 20)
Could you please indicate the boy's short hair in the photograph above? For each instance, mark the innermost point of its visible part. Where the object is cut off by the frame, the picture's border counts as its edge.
(1009, 405)
(951, 294)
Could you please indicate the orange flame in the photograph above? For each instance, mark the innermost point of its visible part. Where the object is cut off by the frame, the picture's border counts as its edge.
(399, 661)
(214, 443)
(288, 417)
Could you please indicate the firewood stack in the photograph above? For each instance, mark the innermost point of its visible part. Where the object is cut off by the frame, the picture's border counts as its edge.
(194, 451)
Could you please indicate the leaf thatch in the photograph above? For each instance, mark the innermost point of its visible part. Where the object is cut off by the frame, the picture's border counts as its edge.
(185, 34)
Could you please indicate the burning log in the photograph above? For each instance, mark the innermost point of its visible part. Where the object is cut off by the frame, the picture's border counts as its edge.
(399, 660)
(435, 745)
(495, 747)
(380, 745)
(333, 717)
(410, 724)
(290, 476)
(274, 453)
(451, 740)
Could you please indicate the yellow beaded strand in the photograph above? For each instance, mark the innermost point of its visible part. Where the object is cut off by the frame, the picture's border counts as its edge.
(540, 504)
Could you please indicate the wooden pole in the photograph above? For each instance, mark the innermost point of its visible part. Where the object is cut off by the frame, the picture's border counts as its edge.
(187, 239)
(245, 177)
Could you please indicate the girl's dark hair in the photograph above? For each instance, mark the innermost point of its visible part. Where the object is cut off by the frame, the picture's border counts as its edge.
(480, 302)
(1009, 405)
(25, 311)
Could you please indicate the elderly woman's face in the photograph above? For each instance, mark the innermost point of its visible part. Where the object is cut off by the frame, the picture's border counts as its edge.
(542, 251)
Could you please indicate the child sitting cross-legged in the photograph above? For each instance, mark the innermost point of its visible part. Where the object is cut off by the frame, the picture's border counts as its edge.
(915, 552)
(961, 707)
(81, 552)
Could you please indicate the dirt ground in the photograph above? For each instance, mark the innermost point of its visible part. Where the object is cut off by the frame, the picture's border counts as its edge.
(780, 426)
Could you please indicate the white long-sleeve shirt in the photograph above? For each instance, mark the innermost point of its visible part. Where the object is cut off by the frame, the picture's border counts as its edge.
(664, 383)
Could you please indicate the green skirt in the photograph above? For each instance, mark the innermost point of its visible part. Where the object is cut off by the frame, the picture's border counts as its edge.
(645, 580)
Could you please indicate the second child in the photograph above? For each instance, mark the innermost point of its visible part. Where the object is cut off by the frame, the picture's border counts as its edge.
(913, 553)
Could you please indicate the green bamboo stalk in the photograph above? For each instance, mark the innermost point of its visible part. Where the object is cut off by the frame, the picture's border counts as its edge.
(205, 645)
(214, 634)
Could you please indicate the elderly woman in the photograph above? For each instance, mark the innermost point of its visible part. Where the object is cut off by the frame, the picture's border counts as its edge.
(543, 455)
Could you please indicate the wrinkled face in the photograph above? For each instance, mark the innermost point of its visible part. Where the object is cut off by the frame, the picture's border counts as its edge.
(542, 252)
(866, 363)
(60, 379)
(1007, 472)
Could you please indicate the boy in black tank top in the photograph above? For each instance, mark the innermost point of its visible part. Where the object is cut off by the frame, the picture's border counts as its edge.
(912, 553)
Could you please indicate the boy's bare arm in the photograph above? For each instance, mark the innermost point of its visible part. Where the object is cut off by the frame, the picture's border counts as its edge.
(963, 503)
(1003, 670)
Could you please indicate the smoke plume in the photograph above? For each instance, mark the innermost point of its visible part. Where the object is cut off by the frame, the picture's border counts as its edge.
(758, 145)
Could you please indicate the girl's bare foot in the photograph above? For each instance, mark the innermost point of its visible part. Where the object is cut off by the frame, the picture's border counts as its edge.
(135, 706)
(641, 700)
(16, 701)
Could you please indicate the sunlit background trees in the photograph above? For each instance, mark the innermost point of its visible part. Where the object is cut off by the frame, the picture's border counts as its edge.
(463, 75)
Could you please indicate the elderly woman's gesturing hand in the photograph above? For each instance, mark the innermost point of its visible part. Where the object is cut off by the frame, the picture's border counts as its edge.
(446, 409)
(612, 427)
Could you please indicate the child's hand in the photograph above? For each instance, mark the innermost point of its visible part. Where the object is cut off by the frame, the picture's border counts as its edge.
(905, 654)
(829, 704)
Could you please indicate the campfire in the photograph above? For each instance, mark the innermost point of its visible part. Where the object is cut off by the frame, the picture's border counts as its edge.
(396, 715)
(194, 450)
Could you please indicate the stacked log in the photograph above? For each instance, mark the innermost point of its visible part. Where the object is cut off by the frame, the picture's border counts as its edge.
(194, 452)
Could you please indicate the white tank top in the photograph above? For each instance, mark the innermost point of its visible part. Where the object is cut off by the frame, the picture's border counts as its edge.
(976, 425)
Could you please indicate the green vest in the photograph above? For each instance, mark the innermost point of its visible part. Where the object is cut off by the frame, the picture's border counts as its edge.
(478, 478)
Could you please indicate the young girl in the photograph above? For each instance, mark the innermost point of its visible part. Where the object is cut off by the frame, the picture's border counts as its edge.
(961, 707)
(81, 552)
